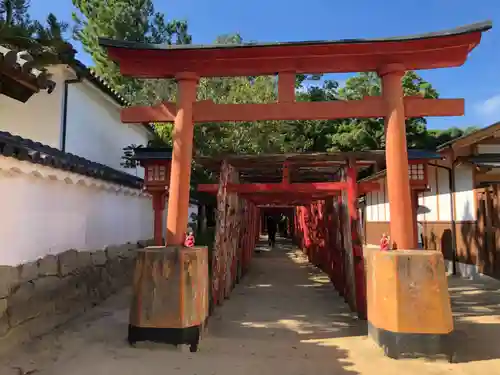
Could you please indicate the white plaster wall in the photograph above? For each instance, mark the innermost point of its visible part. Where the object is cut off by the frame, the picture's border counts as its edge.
(428, 200)
(436, 199)
(488, 149)
(192, 216)
(94, 130)
(386, 206)
(464, 193)
(444, 196)
(377, 206)
(422, 217)
(48, 211)
(38, 119)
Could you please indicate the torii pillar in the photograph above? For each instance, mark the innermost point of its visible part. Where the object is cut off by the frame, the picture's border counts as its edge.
(177, 310)
(180, 173)
(403, 220)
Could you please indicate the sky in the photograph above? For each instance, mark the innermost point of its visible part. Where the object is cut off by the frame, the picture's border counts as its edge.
(478, 81)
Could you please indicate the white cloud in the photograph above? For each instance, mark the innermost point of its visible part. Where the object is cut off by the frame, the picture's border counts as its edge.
(490, 108)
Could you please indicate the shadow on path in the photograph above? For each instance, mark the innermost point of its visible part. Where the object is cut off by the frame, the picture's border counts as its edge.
(286, 308)
(476, 309)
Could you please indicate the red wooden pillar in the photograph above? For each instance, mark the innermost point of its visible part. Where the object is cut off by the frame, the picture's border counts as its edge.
(305, 229)
(398, 183)
(158, 209)
(180, 173)
(341, 253)
(357, 247)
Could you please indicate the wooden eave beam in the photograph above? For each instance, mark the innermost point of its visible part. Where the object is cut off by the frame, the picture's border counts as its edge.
(431, 53)
(370, 107)
(477, 136)
(312, 187)
(487, 177)
(308, 188)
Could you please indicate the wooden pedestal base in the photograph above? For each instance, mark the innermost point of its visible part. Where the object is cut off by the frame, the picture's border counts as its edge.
(170, 296)
(409, 311)
(173, 336)
(411, 345)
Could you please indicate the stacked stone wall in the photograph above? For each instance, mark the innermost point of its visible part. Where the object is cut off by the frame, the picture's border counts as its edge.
(39, 296)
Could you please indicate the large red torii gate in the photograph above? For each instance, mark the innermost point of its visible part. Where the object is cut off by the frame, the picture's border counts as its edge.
(390, 58)
(396, 308)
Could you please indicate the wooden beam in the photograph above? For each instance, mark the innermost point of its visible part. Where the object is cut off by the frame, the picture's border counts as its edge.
(311, 187)
(208, 188)
(369, 107)
(487, 177)
(307, 188)
(416, 106)
(163, 112)
(286, 173)
(286, 87)
(368, 186)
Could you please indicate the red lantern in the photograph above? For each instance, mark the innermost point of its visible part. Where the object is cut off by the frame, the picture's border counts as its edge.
(156, 163)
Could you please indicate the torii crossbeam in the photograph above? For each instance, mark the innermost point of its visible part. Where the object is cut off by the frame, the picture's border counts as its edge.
(390, 58)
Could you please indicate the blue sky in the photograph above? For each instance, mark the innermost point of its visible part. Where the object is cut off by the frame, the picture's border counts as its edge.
(478, 81)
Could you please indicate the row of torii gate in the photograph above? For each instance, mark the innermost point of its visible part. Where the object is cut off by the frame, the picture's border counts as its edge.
(290, 185)
(321, 188)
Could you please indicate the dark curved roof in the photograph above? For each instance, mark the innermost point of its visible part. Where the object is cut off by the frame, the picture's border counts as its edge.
(305, 167)
(35, 152)
(443, 49)
(20, 79)
(475, 27)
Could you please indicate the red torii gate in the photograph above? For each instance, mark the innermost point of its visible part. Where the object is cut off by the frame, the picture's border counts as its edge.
(299, 180)
(289, 186)
(390, 58)
(311, 180)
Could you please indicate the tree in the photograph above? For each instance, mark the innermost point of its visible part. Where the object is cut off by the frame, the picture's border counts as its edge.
(439, 137)
(131, 20)
(45, 42)
(366, 134)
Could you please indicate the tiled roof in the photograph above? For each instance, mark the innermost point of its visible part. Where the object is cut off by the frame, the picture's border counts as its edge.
(476, 27)
(35, 152)
(20, 78)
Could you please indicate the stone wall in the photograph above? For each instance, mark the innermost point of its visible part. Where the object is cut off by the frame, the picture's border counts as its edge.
(37, 297)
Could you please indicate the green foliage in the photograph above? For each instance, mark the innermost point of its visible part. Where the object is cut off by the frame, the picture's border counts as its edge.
(132, 20)
(368, 134)
(44, 41)
(138, 21)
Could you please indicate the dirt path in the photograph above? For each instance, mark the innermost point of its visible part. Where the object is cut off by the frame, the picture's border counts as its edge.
(284, 318)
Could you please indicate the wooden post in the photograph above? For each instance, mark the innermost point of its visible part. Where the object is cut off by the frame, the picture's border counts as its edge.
(286, 87)
(158, 209)
(398, 183)
(357, 248)
(180, 173)
(286, 174)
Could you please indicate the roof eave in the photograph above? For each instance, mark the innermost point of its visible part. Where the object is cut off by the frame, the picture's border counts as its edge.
(466, 29)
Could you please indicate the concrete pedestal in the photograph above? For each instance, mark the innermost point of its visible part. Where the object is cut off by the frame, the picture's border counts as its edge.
(170, 295)
(409, 311)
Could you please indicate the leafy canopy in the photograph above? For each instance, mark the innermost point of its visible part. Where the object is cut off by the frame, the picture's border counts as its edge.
(137, 20)
(44, 41)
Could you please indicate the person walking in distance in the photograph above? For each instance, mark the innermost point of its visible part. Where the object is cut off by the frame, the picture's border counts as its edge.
(271, 231)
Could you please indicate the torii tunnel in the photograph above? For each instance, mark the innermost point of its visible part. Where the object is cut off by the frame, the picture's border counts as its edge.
(318, 192)
(405, 294)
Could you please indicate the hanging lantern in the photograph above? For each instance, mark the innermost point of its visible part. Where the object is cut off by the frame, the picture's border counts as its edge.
(156, 163)
(417, 173)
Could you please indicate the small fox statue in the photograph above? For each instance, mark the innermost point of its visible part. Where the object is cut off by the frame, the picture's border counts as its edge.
(384, 242)
(189, 241)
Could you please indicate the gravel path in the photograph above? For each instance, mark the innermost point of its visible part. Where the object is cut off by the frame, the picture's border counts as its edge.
(284, 318)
